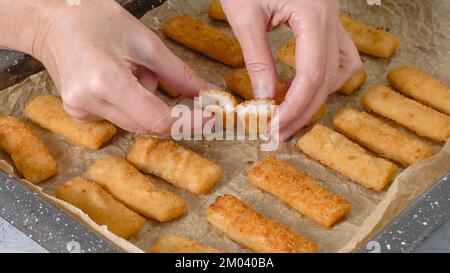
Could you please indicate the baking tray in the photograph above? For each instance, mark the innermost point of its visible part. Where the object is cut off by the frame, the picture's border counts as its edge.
(56, 231)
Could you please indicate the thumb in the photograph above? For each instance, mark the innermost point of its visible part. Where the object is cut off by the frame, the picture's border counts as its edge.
(249, 24)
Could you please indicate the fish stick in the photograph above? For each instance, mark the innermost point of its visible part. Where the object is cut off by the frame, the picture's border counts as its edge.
(135, 190)
(415, 116)
(216, 12)
(175, 164)
(422, 87)
(30, 156)
(342, 155)
(255, 115)
(380, 137)
(101, 207)
(205, 39)
(240, 84)
(299, 191)
(172, 243)
(251, 229)
(48, 112)
(222, 104)
(287, 56)
(370, 40)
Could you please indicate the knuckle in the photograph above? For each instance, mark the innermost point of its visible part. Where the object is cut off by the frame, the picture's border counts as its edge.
(314, 78)
(258, 67)
(75, 97)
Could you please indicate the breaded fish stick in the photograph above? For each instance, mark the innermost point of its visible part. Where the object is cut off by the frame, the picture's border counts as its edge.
(101, 207)
(251, 229)
(222, 103)
(205, 39)
(255, 115)
(370, 40)
(299, 191)
(48, 112)
(172, 243)
(216, 11)
(415, 116)
(175, 164)
(31, 157)
(422, 87)
(380, 137)
(287, 56)
(135, 190)
(338, 153)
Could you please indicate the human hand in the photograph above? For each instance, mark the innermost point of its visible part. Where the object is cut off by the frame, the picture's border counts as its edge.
(106, 64)
(326, 57)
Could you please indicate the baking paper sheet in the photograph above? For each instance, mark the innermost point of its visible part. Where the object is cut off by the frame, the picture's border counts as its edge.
(423, 29)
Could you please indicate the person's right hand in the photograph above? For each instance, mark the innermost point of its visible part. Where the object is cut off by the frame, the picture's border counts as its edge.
(106, 64)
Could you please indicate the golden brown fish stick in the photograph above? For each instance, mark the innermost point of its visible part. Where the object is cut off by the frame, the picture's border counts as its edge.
(31, 157)
(172, 243)
(251, 229)
(287, 56)
(101, 207)
(299, 191)
(380, 137)
(370, 40)
(415, 116)
(338, 153)
(422, 87)
(216, 11)
(175, 164)
(205, 39)
(48, 112)
(135, 190)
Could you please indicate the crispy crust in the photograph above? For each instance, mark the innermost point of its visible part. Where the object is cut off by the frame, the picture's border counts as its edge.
(172, 243)
(205, 39)
(370, 40)
(299, 191)
(415, 116)
(380, 137)
(31, 157)
(420, 86)
(48, 112)
(175, 164)
(251, 229)
(287, 56)
(216, 12)
(101, 207)
(135, 190)
(251, 114)
(338, 153)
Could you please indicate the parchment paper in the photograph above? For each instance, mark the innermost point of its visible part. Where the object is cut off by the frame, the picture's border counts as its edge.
(423, 29)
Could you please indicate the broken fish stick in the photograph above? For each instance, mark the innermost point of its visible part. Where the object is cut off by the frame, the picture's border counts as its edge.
(255, 115)
(380, 137)
(240, 84)
(422, 87)
(30, 156)
(126, 184)
(48, 112)
(222, 104)
(370, 40)
(299, 191)
(216, 12)
(101, 207)
(172, 243)
(342, 155)
(251, 229)
(175, 164)
(205, 39)
(415, 116)
(287, 56)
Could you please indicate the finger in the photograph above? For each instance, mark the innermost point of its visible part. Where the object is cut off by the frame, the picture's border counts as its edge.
(147, 79)
(80, 115)
(250, 27)
(168, 68)
(350, 60)
(310, 61)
